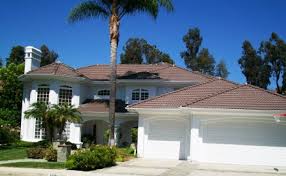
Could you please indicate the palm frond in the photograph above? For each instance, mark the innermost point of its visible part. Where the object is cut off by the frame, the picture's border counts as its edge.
(151, 7)
(89, 9)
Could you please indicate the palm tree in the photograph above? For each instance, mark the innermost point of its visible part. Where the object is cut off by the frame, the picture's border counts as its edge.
(114, 11)
(43, 113)
(63, 114)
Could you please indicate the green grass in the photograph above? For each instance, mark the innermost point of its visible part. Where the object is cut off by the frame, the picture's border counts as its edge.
(42, 165)
(13, 153)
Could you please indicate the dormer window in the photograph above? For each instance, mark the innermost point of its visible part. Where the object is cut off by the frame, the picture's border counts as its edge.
(140, 94)
(104, 92)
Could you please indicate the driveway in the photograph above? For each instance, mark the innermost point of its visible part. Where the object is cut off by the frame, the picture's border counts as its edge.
(144, 167)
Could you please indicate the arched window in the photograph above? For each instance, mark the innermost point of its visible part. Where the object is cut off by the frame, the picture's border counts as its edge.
(140, 94)
(65, 95)
(104, 92)
(42, 96)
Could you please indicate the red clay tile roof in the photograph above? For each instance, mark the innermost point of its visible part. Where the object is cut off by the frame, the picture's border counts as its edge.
(101, 106)
(217, 93)
(164, 71)
(56, 69)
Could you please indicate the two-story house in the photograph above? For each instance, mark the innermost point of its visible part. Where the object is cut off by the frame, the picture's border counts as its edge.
(88, 88)
(179, 114)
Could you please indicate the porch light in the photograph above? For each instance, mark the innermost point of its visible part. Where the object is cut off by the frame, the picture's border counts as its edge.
(278, 116)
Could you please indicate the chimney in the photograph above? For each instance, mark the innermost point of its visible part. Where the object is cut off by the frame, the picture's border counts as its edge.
(32, 58)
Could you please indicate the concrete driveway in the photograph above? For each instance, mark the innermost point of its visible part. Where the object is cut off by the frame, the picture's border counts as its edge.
(144, 167)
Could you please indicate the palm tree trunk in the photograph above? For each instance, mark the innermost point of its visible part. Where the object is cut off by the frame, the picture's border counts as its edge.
(114, 37)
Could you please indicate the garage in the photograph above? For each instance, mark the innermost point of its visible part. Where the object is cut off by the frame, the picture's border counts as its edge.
(166, 139)
(244, 142)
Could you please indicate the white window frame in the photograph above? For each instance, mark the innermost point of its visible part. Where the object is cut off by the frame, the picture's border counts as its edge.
(67, 100)
(61, 98)
(39, 132)
(141, 94)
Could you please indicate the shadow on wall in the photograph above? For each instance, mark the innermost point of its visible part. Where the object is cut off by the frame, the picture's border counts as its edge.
(244, 133)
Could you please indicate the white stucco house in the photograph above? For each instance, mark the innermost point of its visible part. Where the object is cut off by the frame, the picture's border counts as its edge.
(179, 114)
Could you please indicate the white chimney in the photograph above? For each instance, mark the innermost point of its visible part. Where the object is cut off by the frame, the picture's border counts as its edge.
(32, 58)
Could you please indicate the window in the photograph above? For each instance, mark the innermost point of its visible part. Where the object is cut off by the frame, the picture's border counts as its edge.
(43, 93)
(103, 92)
(42, 96)
(65, 95)
(140, 94)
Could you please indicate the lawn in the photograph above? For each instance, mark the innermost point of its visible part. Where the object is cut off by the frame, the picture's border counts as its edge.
(13, 153)
(42, 165)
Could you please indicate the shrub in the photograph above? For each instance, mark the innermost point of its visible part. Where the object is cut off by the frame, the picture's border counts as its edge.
(124, 154)
(134, 133)
(36, 153)
(95, 158)
(51, 154)
(42, 144)
(8, 136)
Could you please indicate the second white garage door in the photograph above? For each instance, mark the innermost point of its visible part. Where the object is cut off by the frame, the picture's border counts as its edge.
(166, 139)
(239, 142)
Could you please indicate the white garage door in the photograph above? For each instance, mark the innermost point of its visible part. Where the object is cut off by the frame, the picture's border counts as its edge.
(166, 139)
(238, 142)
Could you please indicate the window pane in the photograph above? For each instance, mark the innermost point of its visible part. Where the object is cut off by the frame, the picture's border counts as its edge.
(103, 92)
(65, 95)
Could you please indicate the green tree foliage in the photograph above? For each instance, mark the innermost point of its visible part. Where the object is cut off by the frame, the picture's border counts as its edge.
(48, 56)
(139, 51)
(274, 52)
(17, 55)
(195, 58)
(113, 11)
(11, 94)
(63, 114)
(250, 63)
(53, 117)
(206, 62)
(221, 70)
(1, 62)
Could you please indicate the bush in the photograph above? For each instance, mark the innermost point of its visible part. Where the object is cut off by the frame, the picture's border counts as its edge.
(95, 158)
(51, 154)
(36, 153)
(42, 144)
(8, 136)
(124, 154)
(134, 133)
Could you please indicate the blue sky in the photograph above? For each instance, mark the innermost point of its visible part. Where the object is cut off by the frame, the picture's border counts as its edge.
(224, 25)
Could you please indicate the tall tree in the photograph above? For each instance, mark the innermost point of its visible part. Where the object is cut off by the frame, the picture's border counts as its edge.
(254, 68)
(205, 62)
(274, 51)
(114, 11)
(17, 55)
(221, 70)
(48, 56)
(1, 62)
(195, 58)
(11, 94)
(139, 51)
(193, 41)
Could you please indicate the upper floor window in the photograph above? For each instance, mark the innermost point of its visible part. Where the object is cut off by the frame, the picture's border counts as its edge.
(43, 93)
(65, 95)
(140, 94)
(104, 92)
